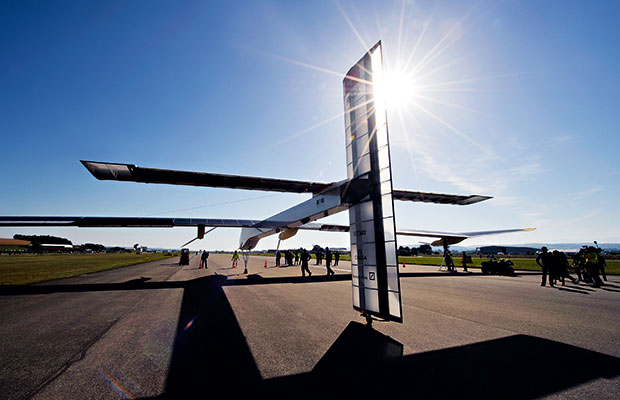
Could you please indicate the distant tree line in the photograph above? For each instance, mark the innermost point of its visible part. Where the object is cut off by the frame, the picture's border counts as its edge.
(38, 240)
(43, 239)
(414, 251)
(92, 247)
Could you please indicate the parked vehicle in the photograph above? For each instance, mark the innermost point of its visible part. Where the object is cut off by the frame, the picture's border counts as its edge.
(184, 260)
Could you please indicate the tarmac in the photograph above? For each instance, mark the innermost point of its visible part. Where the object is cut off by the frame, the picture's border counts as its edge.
(160, 330)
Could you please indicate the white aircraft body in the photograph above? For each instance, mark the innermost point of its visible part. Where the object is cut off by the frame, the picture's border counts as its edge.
(367, 193)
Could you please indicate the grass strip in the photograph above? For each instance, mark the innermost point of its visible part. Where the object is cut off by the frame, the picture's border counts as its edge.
(33, 268)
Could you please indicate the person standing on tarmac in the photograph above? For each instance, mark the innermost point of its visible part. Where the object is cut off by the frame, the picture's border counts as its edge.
(545, 261)
(278, 257)
(336, 258)
(560, 262)
(304, 263)
(296, 257)
(203, 259)
(464, 261)
(234, 259)
(592, 265)
(448, 258)
(328, 262)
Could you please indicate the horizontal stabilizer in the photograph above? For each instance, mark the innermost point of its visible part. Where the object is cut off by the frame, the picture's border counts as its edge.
(450, 238)
(439, 198)
(133, 173)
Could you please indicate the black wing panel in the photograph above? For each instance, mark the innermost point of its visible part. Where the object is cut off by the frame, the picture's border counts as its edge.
(440, 198)
(125, 222)
(133, 173)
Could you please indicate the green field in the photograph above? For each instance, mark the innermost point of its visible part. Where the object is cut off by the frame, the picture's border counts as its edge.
(32, 268)
(527, 264)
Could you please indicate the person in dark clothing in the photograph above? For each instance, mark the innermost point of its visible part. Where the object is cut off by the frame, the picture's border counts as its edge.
(560, 262)
(464, 261)
(328, 262)
(336, 258)
(297, 257)
(203, 259)
(278, 257)
(304, 263)
(448, 258)
(545, 260)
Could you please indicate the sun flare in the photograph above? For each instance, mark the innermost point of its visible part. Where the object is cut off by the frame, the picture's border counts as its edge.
(399, 89)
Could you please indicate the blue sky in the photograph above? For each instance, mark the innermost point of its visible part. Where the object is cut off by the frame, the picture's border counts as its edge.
(516, 100)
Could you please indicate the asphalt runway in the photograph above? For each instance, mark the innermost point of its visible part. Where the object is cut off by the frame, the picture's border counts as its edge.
(158, 330)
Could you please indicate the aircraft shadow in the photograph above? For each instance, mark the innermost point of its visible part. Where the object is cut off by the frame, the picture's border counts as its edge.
(211, 358)
(144, 284)
(210, 353)
(493, 369)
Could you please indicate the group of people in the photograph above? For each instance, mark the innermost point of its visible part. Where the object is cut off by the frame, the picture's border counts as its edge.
(290, 257)
(328, 255)
(447, 256)
(294, 257)
(302, 256)
(588, 263)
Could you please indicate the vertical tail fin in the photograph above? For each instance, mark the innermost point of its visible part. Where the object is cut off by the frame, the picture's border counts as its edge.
(374, 264)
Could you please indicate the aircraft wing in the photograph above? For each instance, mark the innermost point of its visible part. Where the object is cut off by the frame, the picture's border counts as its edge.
(440, 198)
(450, 238)
(158, 222)
(125, 222)
(133, 173)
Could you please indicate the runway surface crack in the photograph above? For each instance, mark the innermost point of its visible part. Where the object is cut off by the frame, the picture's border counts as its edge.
(78, 356)
(81, 354)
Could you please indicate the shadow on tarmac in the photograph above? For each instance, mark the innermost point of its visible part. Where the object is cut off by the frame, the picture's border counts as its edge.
(211, 358)
(566, 289)
(252, 279)
(143, 284)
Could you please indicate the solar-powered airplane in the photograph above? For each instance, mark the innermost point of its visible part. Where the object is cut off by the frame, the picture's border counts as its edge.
(367, 193)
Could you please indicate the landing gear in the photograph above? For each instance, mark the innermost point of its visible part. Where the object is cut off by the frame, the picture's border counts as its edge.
(246, 256)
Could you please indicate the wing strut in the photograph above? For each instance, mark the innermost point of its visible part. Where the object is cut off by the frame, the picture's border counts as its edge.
(201, 234)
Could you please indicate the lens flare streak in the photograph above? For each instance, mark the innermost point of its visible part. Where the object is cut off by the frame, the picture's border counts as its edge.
(117, 386)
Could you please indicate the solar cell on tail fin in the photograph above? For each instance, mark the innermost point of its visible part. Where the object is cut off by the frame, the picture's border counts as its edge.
(376, 285)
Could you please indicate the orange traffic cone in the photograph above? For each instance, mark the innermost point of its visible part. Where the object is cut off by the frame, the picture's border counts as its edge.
(265, 263)
(403, 264)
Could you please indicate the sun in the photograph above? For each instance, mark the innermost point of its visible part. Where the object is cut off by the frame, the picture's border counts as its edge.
(399, 89)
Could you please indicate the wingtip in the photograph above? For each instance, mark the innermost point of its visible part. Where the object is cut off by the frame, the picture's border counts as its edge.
(89, 166)
(109, 171)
